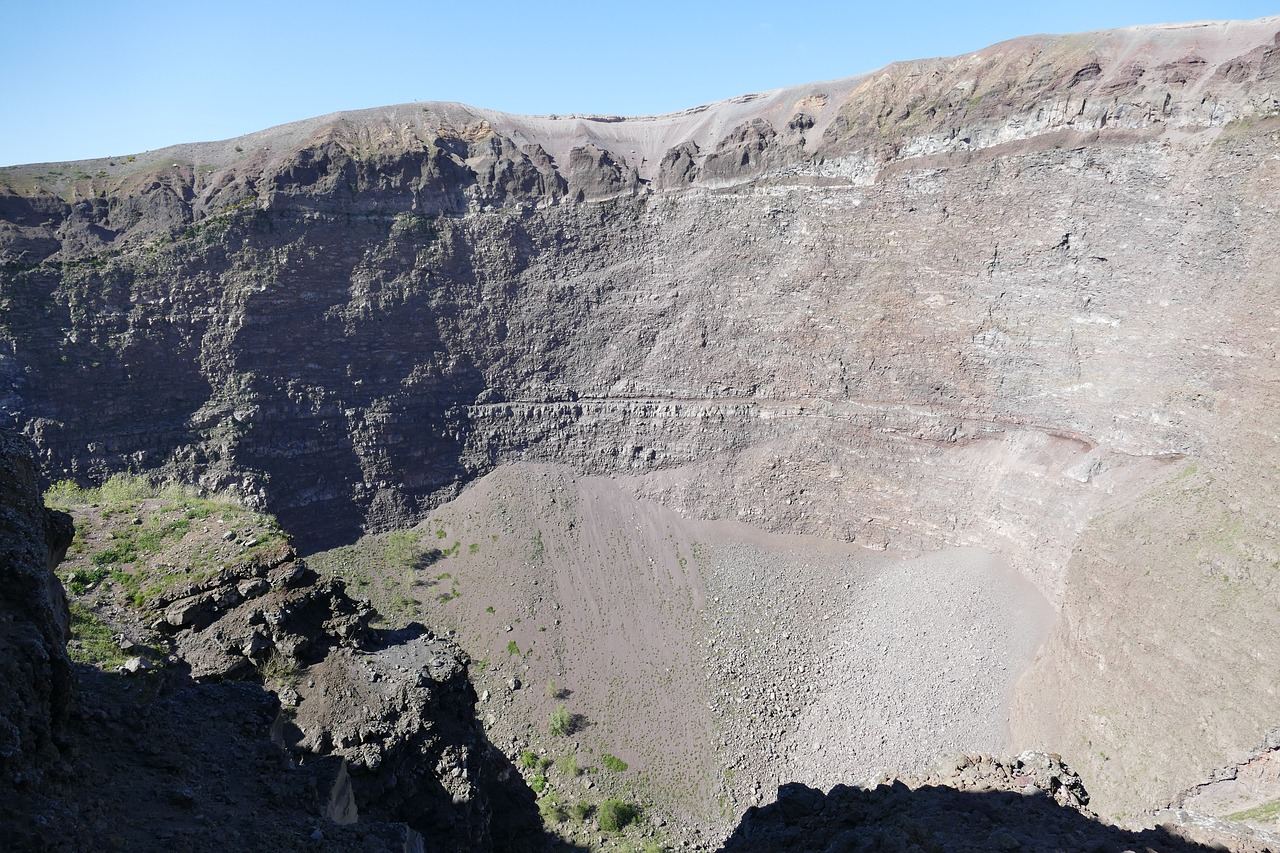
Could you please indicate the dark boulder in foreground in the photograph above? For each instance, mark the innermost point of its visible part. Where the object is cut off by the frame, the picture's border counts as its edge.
(35, 674)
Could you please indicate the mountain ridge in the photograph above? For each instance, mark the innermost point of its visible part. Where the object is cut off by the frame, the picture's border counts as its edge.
(1223, 37)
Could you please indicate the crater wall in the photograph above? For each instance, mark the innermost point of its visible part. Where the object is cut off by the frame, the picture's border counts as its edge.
(978, 300)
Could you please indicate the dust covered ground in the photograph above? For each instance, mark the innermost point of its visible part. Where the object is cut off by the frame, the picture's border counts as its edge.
(713, 660)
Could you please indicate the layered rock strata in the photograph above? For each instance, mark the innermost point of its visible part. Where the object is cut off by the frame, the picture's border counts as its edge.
(1003, 299)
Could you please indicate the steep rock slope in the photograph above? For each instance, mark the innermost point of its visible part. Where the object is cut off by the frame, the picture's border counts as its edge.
(364, 738)
(987, 300)
(35, 673)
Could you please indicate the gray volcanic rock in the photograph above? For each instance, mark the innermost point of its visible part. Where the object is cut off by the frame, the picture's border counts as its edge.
(595, 174)
(1031, 803)
(679, 166)
(36, 686)
(1021, 299)
(751, 146)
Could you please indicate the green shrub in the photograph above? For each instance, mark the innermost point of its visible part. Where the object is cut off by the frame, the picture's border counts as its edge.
(401, 549)
(581, 810)
(279, 669)
(122, 490)
(561, 723)
(538, 783)
(65, 494)
(616, 815)
(613, 762)
(512, 648)
(567, 765)
(80, 581)
(551, 810)
(530, 760)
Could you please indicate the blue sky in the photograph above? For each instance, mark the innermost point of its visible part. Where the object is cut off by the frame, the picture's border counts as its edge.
(85, 79)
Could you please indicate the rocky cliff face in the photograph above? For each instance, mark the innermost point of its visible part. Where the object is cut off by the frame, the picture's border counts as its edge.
(35, 674)
(973, 301)
(245, 703)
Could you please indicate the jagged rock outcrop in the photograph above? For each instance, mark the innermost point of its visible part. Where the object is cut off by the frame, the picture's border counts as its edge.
(394, 707)
(595, 174)
(36, 687)
(751, 146)
(367, 738)
(976, 804)
(679, 167)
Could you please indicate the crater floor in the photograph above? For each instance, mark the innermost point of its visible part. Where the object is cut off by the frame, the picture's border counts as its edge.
(715, 659)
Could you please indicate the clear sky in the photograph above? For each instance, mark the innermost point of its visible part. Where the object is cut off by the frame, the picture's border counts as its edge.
(89, 78)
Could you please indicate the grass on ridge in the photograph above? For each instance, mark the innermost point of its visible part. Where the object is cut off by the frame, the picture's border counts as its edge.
(1262, 814)
(142, 521)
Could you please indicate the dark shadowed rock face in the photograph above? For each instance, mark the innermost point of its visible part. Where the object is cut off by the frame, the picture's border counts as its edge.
(35, 674)
(973, 805)
(392, 710)
(255, 709)
(898, 818)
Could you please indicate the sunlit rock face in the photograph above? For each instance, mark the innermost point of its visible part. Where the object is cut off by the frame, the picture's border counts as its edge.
(1006, 299)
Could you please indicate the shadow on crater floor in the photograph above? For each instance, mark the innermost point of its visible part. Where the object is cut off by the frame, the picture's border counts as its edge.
(159, 762)
(935, 819)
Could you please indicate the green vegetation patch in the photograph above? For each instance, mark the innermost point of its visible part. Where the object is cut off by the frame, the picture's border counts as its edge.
(561, 722)
(1261, 814)
(92, 640)
(280, 669)
(81, 580)
(616, 815)
(144, 521)
(550, 809)
(386, 568)
(613, 763)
